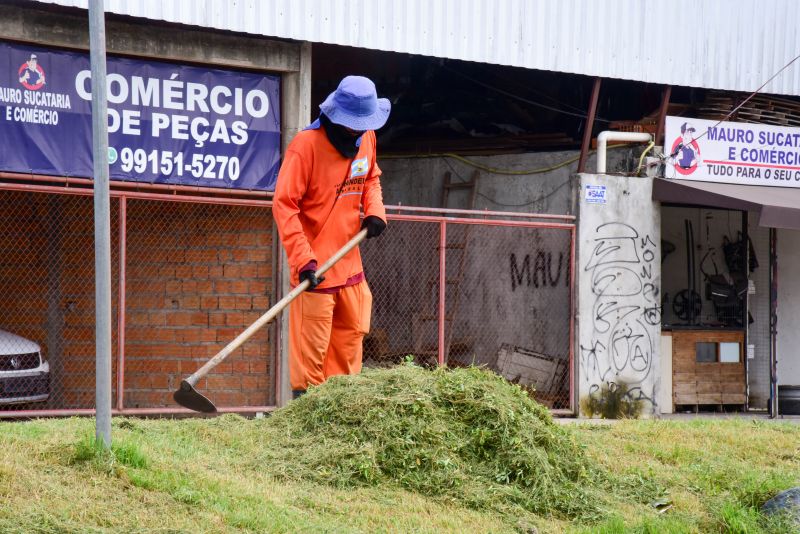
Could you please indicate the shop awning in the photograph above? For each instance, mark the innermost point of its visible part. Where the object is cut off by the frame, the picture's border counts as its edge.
(779, 207)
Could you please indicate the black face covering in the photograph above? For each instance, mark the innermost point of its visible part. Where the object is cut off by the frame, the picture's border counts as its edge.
(340, 138)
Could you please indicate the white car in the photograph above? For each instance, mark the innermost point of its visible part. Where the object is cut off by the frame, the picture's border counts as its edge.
(24, 376)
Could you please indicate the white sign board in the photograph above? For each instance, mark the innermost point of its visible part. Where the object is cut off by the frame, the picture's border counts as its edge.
(732, 152)
(595, 194)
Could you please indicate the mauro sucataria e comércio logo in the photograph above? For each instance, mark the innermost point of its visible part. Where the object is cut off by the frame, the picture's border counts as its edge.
(31, 74)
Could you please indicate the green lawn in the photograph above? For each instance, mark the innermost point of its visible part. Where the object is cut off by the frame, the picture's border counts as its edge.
(196, 475)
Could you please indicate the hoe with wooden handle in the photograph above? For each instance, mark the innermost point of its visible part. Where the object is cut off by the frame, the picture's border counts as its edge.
(189, 397)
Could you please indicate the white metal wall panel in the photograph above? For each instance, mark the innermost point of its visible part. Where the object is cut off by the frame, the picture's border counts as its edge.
(721, 44)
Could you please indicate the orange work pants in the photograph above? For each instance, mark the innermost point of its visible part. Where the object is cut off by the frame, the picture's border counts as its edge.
(326, 331)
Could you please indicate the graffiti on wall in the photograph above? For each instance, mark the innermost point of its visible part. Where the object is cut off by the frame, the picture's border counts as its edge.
(625, 310)
(542, 271)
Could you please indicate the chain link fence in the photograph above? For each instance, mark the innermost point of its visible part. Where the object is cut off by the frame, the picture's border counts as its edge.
(190, 273)
(47, 301)
(461, 291)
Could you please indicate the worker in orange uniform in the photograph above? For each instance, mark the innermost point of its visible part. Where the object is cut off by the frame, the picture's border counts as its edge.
(328, 174)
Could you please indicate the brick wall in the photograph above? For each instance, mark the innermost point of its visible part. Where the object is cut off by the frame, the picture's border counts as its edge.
(197, 275)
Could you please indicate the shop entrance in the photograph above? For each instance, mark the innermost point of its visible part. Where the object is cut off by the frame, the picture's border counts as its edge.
(716, 331)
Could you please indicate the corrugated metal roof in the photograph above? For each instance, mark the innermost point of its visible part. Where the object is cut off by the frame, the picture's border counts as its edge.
(722, 44)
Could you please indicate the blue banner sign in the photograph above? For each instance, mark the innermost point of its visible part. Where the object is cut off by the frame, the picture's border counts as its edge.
(167, 123)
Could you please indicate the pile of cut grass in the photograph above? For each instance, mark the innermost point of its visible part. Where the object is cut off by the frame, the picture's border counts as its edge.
(463, 434)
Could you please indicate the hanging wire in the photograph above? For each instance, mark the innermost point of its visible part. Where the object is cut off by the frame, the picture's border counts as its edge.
(494, 170)
(503, 204)
(734, 110)
(506, 205)
(499, 76)
(521, 98)
(475, 164)
(641, 158)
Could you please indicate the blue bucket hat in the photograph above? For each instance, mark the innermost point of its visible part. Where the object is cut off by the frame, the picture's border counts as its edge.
(355, 105)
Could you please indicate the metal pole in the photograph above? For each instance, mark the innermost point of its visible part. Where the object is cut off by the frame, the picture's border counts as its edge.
(284, 379)
(277, 341)
(573, 386)
(442, 289)
(662, 114)
(773, 322)
(102, 223)
(587, 129)
(123, 235)
(746, 307)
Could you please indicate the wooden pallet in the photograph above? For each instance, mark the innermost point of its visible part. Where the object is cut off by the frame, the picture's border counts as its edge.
(542, 373)
(763, 109)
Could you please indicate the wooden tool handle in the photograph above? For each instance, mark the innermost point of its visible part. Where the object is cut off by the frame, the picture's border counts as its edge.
(274, 311)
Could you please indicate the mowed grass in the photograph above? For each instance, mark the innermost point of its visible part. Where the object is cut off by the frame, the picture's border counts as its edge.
(717, 473)
(182, 476)
(197, 475)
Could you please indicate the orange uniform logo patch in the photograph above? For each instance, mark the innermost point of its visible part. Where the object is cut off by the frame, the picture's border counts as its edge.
(359, 167)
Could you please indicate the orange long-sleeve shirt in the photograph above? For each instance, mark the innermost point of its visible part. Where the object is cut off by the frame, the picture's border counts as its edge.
(318, 199)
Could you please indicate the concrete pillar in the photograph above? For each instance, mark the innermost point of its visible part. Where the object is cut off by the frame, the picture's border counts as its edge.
(619, 288)
(296, 90)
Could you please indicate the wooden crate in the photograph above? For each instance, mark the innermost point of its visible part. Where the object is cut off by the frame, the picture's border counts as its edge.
(695, 383)
(544, 373)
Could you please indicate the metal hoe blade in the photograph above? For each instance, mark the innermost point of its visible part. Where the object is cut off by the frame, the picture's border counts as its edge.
(188, 397)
